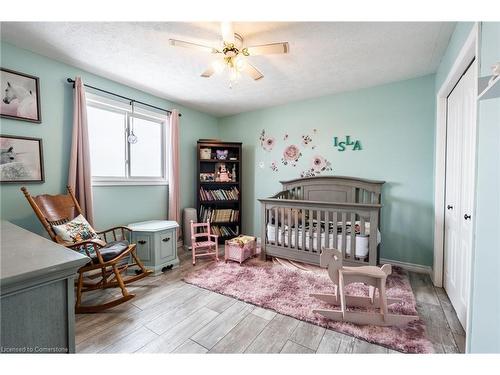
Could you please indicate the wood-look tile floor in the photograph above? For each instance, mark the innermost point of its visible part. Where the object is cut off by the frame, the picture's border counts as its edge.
(170, 316)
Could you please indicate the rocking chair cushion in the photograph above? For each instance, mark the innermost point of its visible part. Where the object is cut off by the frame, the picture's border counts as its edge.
(111, 250)
(77, 230)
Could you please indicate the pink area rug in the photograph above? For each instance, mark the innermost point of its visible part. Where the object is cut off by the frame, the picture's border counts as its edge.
(285, 287)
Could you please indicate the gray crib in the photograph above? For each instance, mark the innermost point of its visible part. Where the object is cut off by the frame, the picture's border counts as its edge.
(315, 212)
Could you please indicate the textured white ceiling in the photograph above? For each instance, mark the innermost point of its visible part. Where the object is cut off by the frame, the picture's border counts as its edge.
(324, 58)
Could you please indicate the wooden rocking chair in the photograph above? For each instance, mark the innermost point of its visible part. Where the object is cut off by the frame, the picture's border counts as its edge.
(209, 243)
(374, 277)
(108, 260)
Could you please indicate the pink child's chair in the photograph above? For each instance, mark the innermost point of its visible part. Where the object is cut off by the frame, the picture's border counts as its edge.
(207, 242)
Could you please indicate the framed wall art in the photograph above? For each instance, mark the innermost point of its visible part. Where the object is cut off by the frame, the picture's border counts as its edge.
(20, 96)
(21, 159)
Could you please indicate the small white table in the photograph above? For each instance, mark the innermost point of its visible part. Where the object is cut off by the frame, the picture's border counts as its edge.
(156, 242)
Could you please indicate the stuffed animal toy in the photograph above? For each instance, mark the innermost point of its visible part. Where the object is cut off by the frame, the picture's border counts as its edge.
(221, 154)
(223, 175)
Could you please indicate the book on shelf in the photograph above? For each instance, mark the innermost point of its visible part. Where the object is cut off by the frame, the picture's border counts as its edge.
(223, 231)
(218, 215)
(219, 194)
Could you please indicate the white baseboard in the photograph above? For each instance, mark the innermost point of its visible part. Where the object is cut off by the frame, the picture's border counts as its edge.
(408, 266)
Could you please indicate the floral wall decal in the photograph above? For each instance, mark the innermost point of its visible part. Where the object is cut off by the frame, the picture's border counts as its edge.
(307, 140)
(267, 143)
(291, 155)
(318, 165)
(300, 150)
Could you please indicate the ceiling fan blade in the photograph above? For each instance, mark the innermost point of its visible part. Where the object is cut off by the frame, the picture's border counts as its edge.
(252, 71)
(200, 47)
(227, 32)
(267, 49)
(208, 72)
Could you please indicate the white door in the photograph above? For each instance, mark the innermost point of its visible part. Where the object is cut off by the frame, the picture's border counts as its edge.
(459, 203)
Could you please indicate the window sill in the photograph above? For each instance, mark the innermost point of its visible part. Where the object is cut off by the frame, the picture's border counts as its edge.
(129, 183)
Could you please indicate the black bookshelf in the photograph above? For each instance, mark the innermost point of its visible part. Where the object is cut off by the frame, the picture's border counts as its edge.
(219, 195)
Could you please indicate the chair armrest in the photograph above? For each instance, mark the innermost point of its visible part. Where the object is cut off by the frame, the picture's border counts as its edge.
(77, 246)
(122, 227)
(123, 230)
(214, 236)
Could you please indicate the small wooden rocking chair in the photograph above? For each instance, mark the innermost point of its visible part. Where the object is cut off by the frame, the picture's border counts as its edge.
(108, 260)
(374, 277)
(209, 244)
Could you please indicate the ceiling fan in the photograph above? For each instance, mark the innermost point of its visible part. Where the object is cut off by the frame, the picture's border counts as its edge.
(234, 54)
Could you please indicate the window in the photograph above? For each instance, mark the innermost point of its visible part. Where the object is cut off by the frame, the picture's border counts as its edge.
(115, 158)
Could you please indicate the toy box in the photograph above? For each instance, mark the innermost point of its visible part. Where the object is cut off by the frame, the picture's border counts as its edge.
(240, 248)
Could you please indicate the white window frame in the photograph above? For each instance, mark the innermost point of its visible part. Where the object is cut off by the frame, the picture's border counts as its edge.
(140, 112)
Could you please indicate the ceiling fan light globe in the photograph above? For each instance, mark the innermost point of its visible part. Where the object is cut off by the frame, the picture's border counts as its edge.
(218, 66)
(234, 75)
(240, 63)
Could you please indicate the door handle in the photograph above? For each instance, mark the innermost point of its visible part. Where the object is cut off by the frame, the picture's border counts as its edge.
(449, 207)
(141, 242)
(466, 217)
(166, 239)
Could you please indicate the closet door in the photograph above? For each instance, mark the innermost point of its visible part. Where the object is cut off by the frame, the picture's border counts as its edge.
(460, 171)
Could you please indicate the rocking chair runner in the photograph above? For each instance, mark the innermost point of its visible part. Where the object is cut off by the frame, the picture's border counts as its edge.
(374, 277)
(111, 259)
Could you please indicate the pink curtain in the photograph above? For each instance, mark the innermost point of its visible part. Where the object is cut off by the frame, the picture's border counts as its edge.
(79, 177)
(174, 201)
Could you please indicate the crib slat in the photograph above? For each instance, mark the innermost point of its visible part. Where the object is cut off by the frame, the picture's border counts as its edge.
(353, 235)
(335, 229)
(282, 211)
(276, 227)
(344, 230)
(311, 232)
(319, 242)
(362, 225)
(289, 227)
(318, 236)
(303, 230)
(327, 230)
(296, 227)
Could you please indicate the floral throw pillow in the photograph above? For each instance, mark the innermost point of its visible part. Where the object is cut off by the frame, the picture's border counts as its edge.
(77, 230)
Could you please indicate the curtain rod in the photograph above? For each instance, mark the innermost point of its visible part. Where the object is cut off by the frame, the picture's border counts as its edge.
(70, 80)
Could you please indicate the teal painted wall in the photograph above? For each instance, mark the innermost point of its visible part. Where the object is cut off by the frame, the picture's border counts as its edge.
(484, 333)
(457, 40)
(485, 307)
(113, 205)
(395, 124)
